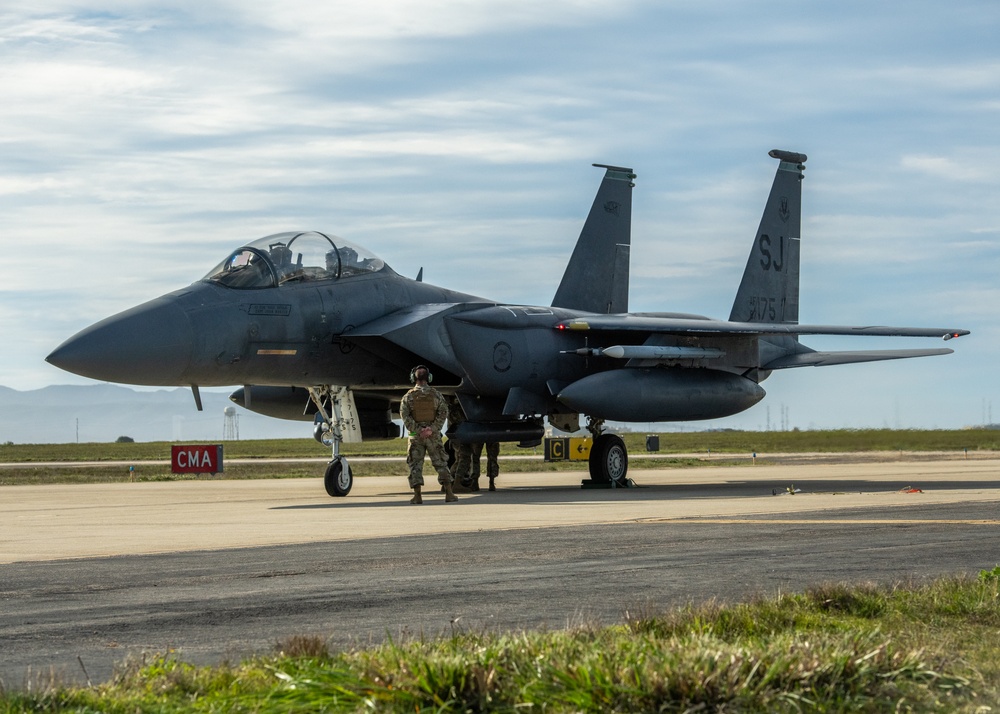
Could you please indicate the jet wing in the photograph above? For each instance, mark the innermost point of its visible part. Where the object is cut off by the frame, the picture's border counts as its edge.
(401, 319)
(417, 330)
(825, 359)
(691, 326)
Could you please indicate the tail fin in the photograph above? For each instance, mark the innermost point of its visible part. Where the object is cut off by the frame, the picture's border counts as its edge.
(769, 291)
(596, 278)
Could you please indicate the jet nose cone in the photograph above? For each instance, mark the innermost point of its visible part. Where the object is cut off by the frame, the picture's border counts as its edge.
(149, 344)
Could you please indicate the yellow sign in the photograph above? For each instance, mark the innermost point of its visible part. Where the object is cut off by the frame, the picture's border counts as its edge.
(567, 448)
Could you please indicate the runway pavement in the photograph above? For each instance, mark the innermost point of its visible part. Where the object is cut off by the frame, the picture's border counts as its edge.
(214, 569)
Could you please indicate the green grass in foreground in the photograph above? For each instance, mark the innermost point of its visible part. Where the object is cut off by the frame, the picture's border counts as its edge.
(832, 649)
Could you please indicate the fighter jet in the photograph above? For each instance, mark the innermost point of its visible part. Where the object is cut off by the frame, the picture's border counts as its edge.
(317, 328)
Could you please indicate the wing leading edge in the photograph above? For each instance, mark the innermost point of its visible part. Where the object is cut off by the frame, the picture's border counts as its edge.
(773, 354)
(639, 322)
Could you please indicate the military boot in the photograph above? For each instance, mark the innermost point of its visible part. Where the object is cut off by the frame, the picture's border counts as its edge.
(474, 485)
(493, 485)
(416, 496)
(449, 495)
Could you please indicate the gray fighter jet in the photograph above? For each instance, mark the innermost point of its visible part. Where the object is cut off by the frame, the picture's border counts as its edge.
(317, 328)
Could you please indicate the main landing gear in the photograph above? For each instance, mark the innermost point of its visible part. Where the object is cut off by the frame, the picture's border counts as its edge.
(338, 478)
(608, 459)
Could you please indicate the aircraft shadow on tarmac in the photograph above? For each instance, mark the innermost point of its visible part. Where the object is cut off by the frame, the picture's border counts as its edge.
(533, 495)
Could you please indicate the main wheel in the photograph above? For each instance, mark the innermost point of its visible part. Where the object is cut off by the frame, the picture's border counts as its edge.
(338, 479)
(609, 459)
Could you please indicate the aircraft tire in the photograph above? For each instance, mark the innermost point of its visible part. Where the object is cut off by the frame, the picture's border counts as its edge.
(609, 459)
(339, 478)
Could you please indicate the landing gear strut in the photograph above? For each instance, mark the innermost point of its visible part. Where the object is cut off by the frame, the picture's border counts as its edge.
(338, 478)
(608, 459)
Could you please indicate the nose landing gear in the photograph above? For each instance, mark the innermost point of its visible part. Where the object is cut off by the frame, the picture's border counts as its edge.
(338, 478)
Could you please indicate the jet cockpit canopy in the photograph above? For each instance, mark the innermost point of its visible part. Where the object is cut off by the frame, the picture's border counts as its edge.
(293, 257)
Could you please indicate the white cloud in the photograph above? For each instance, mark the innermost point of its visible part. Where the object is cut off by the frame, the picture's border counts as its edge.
(400, 19)
(143, 140)
(948, 168)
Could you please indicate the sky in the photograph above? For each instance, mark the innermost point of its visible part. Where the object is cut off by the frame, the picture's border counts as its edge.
(142, 141)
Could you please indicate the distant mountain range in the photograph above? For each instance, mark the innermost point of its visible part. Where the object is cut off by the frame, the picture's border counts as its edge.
(104, 412)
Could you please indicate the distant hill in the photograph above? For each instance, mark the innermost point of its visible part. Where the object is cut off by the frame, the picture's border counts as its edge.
(103, 412)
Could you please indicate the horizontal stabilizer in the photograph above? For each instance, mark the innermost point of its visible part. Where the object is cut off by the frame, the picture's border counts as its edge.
(825, 359)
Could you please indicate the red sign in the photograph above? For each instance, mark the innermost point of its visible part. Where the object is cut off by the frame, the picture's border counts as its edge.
(196, 458)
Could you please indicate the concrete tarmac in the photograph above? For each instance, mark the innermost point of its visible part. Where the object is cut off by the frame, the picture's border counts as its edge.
(93, 574)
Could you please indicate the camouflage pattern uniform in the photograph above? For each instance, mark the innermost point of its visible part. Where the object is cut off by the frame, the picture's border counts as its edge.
(462, 466)
(424, 406)
(492, 463)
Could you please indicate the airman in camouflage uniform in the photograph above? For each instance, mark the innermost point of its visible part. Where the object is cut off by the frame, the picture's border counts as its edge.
(492, 463)
(462, 466)
(424, 411)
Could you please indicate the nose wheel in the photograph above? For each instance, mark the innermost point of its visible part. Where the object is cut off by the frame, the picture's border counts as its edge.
(338, 478)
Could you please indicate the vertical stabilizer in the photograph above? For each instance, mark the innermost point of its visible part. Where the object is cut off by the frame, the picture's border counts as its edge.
(769, 291)
(596, 279)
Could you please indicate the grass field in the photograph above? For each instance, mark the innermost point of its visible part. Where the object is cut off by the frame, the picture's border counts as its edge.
(722, 442)
(923, 648)
(677, 450)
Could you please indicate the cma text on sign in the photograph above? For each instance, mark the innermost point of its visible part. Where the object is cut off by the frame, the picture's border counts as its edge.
(196, 458)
